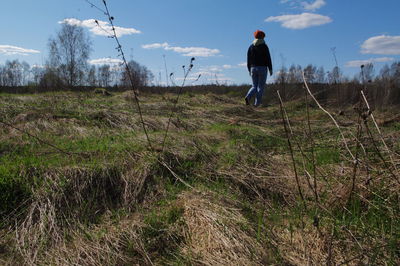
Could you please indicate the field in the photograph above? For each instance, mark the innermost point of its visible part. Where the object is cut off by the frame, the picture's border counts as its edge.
(232, 185)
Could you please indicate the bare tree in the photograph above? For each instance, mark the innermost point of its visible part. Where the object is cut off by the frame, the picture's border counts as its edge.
(26, 71)
(309, 73)
(13, 73)
(384, 73)
(141, 76)
(37, 74)
(395, 73)
(282, 75)
(320, 75)
(334, 76)
(2, 76)
(49, 79)
(104, 76)
(69, 52)
(294, 74)
(91, 78)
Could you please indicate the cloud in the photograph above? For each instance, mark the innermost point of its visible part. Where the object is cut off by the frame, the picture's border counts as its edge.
(155, 45)
(101, 28)
(358, 63)
(14, 50)
(185, 51)
(105, 61)
(383, 44)
(300, 21)
(313, 6)
(244, 64)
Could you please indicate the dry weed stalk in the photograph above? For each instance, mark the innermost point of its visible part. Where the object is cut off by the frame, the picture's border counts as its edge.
(389, 152)
(186, 73)
(288, 137)
(125, 63)
(330, 115)
(358, 145)
(311, 138)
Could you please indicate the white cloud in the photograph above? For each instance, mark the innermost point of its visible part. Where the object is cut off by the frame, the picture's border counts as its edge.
(244, 64)
(14, 50)
(185, 51)
(105, 61)
(300, 21)
(101, 28)
(358, 63)
(313, 6)
(155, 45)
(383, 44)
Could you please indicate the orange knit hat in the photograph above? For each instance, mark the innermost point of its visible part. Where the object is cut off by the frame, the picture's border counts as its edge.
(258, 34)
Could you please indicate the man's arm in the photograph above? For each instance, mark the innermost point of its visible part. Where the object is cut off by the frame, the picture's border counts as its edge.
(269, 62)
(249, 59)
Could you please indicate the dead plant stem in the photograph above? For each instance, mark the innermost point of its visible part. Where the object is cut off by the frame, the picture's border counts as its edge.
(311, 138)
(332, 118)
(291, 149)
(128, 70)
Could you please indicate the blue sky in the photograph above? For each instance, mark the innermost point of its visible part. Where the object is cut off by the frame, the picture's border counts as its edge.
(216, 32)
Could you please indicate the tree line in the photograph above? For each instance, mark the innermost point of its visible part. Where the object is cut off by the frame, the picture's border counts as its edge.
(314, 74)
(332, 87)
(67, 66)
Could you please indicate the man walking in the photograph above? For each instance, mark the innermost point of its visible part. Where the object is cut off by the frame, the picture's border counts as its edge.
(258, 63)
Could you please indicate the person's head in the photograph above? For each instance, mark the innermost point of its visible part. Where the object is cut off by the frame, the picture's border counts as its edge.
(258, 34)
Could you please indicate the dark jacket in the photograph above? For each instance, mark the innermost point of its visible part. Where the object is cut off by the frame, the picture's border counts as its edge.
(259, 56)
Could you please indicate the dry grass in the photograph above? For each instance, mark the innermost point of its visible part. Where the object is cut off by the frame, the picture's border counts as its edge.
(215, 232)
(111, 201)
(68, 198)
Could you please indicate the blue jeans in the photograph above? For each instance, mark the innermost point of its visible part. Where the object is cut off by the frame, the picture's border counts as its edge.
(259, 77)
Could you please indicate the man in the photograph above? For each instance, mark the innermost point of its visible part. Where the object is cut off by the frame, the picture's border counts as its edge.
(258, 63)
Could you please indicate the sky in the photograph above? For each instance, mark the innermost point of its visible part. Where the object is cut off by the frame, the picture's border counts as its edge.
(163, 35)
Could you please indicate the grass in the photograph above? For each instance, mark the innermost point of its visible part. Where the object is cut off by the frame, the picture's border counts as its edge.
(230, 178)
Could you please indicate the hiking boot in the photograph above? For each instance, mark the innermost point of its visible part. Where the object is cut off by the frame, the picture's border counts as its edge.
(247, 101)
